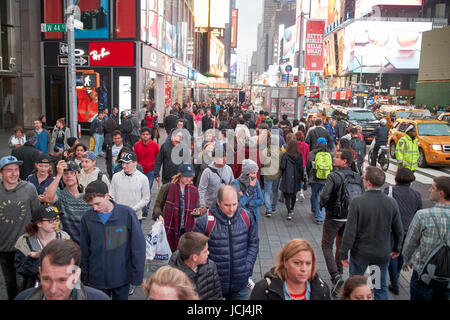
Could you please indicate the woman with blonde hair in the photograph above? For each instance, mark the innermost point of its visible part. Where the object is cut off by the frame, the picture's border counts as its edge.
(60, 135)
(169, 283)
(294, 277)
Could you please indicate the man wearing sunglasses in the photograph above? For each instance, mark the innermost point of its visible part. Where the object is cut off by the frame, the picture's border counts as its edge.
(18, 199)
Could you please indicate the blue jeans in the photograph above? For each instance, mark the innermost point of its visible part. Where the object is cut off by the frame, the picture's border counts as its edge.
(395, 266)
(240, 295)
(151, 177)
(99, 138)
(360, 269)
(120, 293)
(420, 292)
(315, 206)
(271, 188)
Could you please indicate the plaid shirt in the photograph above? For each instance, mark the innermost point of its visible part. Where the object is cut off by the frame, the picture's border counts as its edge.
(423, 236)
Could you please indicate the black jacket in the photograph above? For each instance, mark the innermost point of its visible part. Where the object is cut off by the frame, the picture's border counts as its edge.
(165, 157)
(206, 280)
(207, 123)
(189, 123)
(316, 133)
(381, 135)
(292, 176)
(27, 153)
(331, 191)
(275, 290)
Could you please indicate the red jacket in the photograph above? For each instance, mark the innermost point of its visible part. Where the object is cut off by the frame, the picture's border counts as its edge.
(149, 121)
(146, 154)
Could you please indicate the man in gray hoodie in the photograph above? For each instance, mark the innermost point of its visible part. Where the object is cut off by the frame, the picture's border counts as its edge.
(215, 176)
(17, 199)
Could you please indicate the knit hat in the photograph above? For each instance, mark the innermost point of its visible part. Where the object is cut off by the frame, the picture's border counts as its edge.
(249, 166)
(71, 141)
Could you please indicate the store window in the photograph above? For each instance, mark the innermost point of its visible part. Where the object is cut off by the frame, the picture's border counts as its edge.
(125, 18)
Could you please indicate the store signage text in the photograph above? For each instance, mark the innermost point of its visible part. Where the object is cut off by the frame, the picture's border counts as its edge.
(180, 70)
(98, 56)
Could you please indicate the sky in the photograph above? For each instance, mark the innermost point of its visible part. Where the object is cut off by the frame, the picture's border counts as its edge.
(250, 15)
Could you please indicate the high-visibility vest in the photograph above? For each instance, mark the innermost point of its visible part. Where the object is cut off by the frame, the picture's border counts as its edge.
(407, 152)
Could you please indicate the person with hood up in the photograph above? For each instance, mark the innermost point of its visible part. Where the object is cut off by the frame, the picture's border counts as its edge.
(248, 187)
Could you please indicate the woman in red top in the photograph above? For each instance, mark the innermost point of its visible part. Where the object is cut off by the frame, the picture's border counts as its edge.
(303, 147)
(149, 120)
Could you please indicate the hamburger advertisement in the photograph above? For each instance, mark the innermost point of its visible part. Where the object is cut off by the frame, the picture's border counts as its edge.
(383, 46)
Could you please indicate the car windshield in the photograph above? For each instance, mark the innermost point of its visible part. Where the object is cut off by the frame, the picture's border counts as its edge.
(434, 129)
(330, 112)
(403, 115)
(361, 115)
(314, 110)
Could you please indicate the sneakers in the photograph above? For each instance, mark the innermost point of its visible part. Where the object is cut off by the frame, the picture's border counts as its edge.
(394, 289)
(250, 284)
(290, 215)
(302, 196)
(274, 212)
(268, 214)
(337, 282)
(131, 291)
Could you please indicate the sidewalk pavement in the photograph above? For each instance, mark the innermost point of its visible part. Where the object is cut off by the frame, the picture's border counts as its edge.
(274, 233)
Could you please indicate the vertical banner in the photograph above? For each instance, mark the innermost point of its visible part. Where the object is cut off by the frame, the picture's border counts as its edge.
(234, 27)
(314, 45)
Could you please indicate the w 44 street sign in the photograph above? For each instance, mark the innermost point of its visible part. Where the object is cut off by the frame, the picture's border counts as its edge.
(53, 27)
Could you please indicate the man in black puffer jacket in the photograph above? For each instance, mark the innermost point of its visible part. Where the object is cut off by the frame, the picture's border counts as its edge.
(233, 244)
(192, 258)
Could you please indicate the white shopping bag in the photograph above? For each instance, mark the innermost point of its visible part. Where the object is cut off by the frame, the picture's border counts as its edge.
(157, 247)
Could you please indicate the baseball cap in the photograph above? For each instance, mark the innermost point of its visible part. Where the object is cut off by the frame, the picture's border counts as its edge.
(97, 186)
(71, 141)
(128, 157)
(186, 170)
(90, 155)
(9, 160)
(43, 158)
(45, 212)
(321, 140)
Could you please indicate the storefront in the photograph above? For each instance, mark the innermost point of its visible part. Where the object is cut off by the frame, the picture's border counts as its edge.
(115, 62)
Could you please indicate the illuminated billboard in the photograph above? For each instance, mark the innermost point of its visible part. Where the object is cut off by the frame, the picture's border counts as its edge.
(387, 46)
(219, 13)
(334, 11)
(362, 7)
(234, 28)
(329, 56)
(216, 57)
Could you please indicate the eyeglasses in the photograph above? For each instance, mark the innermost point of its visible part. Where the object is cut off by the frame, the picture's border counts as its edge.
(52, 220)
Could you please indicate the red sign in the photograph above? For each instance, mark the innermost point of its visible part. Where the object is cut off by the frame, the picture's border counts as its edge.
(111, 54)
(314, 45)
(234, 26)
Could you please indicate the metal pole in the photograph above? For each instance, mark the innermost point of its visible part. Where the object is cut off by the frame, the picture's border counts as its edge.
(73, 116)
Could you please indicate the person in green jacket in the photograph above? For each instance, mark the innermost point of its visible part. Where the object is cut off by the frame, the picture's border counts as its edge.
(407, 150)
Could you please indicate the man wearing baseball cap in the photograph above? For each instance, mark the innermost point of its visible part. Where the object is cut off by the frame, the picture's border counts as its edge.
(112, 244)
(90, 172)
(407, 150)
(130, 186)
(70, 199)
(18, 199)
(42, 178)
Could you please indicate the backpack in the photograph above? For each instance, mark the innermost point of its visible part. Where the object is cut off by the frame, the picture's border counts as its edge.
(212, 221)
(323, 165)
(350, 188)
(359, 146)
(436, 272)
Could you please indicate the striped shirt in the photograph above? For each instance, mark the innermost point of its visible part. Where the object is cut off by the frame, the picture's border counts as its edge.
(424, 235)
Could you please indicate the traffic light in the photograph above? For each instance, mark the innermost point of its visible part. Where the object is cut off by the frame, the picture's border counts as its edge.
(91, 80)
(301, 90)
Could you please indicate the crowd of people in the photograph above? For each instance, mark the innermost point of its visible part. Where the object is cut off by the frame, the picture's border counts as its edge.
(63, 218)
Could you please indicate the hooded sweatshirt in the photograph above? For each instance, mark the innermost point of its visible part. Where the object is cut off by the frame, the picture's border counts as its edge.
(15, 212)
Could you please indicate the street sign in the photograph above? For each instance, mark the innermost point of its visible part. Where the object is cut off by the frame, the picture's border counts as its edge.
(53, 27)
(288, 68)
(91, 80)
(81, 61)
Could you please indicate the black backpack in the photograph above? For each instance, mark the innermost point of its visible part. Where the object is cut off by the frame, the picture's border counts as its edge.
(436, 272)
(350, 188)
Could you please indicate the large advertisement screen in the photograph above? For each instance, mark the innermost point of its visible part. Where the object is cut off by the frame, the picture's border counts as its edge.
(329, 56)
(363, 7)
(216, 56)
(334, 11)
(234, 27)
(95, 18)
(383, 46)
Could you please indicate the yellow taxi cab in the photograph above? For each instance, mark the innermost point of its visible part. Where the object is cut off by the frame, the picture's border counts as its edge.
(392, 113)
(311, 113)
(326, 111)
(433, 137)
(444, 116)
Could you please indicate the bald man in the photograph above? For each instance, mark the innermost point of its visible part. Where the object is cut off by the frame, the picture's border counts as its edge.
(233, 244)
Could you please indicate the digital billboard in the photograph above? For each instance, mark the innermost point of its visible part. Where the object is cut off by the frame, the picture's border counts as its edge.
(234, 27)
(334, 11)
(95, 18)
(362, 7)
(387, 46)
(216, 56)
(289, 36)
(329, 56)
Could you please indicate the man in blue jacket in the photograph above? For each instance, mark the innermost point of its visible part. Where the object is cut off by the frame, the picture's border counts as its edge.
(112, 244)
(233, 244)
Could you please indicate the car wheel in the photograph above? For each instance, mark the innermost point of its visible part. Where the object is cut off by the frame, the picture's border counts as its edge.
(422, 162)
(392, 147)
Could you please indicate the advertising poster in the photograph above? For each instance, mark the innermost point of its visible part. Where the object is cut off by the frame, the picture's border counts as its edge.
(314, 45)
(170, 39)
(91, 100)
(216, 57)
(329, 56)
(233, 65)
(362, 7)
(287, 106)
(387, 46)
(289, 36)
(152, 35)
(340, 45)
(95, 18)
(144, 26)
(334, 11)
